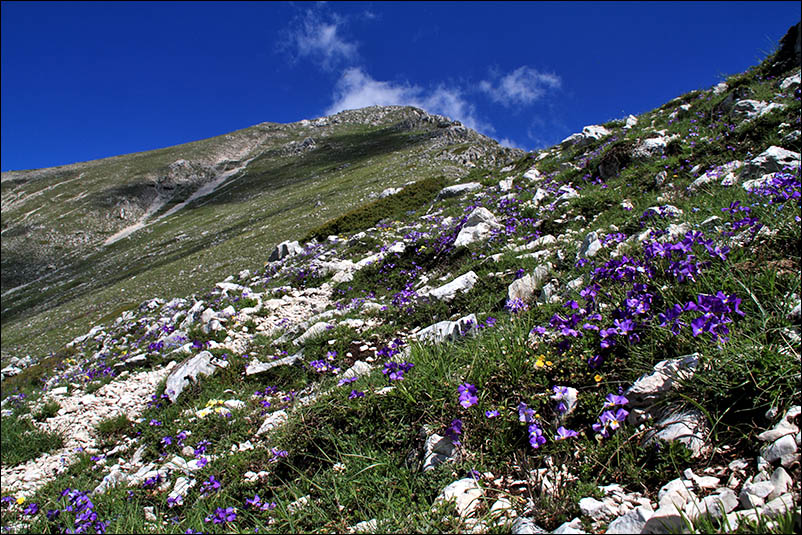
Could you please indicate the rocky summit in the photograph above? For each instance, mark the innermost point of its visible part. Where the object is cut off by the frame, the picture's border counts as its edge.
(382, 321)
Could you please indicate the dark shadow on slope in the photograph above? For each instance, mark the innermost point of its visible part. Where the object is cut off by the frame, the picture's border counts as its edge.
(335, 153)
(100, 271)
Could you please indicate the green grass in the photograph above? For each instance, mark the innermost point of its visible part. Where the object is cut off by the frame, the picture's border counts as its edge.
(22, 441)
(358, 459)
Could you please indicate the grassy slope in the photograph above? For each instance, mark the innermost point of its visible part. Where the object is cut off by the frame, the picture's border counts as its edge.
(275, 198)
(351, 455)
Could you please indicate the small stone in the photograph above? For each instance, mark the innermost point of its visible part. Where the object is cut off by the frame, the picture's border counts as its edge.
(595, 509)
(781, 482)
(779, 505)
(753, 494)
(569, 528)
(525, 526)
(784, 449)
(150, 516)
(466, 494)
(632, 522)
(366, 526)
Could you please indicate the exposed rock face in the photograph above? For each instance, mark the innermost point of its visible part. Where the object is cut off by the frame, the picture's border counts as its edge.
(588, 135)
(789, 54)
(770, 160)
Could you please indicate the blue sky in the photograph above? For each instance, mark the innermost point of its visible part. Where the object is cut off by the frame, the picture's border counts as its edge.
(81, 81)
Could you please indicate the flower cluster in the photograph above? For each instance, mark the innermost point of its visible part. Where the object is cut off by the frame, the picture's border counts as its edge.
(257, 503)
(609, 420)
(222, 516)
(716, 313)
(516, 306)
(395, 371)
(467, 395)
(80, 507)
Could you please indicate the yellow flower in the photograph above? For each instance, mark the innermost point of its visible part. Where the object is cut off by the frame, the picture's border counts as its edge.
(20, 500)
(597, 378)
(549, 363)
(539, 363)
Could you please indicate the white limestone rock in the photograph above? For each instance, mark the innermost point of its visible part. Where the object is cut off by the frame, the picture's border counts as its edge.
(479, 225)
(466, 494)
(448, 330)
(189, 370)
(285, 249)
(632, 522)
(770, 160)
(458, 189)
(449, 291)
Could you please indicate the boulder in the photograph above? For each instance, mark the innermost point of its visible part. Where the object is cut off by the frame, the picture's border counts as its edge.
(588, 135)
(314, 330)
(466, 495)
(458, 189)
(725, 172)
(770, 160)
(791, 83)
(650, 387)
(479, 225)
(389, 191)
(748, 108)
(449, 291)
(448, 330)
(284, 250)
(591, 245)
(273, 421)
(650, 148)
(685, 425)
(256, 367)
(189, 370)
(437, 450)
(632, 522)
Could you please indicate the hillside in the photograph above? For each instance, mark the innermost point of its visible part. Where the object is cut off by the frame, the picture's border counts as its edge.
(599, 337)
(83, 242)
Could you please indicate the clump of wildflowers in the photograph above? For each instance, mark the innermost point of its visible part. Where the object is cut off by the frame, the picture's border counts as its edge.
(611, 420)
(222, 516)
(395, 371)
(516, 306)
(467, 395)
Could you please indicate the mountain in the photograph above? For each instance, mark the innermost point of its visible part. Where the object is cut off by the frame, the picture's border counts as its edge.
(381, 321)
(81, 240)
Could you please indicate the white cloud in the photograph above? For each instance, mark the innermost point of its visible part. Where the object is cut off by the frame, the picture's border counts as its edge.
(522, 86)
(319, 38)
(356, 89)
(507, 142)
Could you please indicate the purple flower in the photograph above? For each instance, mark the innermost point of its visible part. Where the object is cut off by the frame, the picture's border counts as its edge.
(563, 433)
(516, 305)
(356, 394)
(346, 380)
(222, 516)
(32, 509)
(525, 414)
(467, 395)
(454, 431)
(613, 400)
(536, 438)
(491, 414)
(210, 485)
(609, 422)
